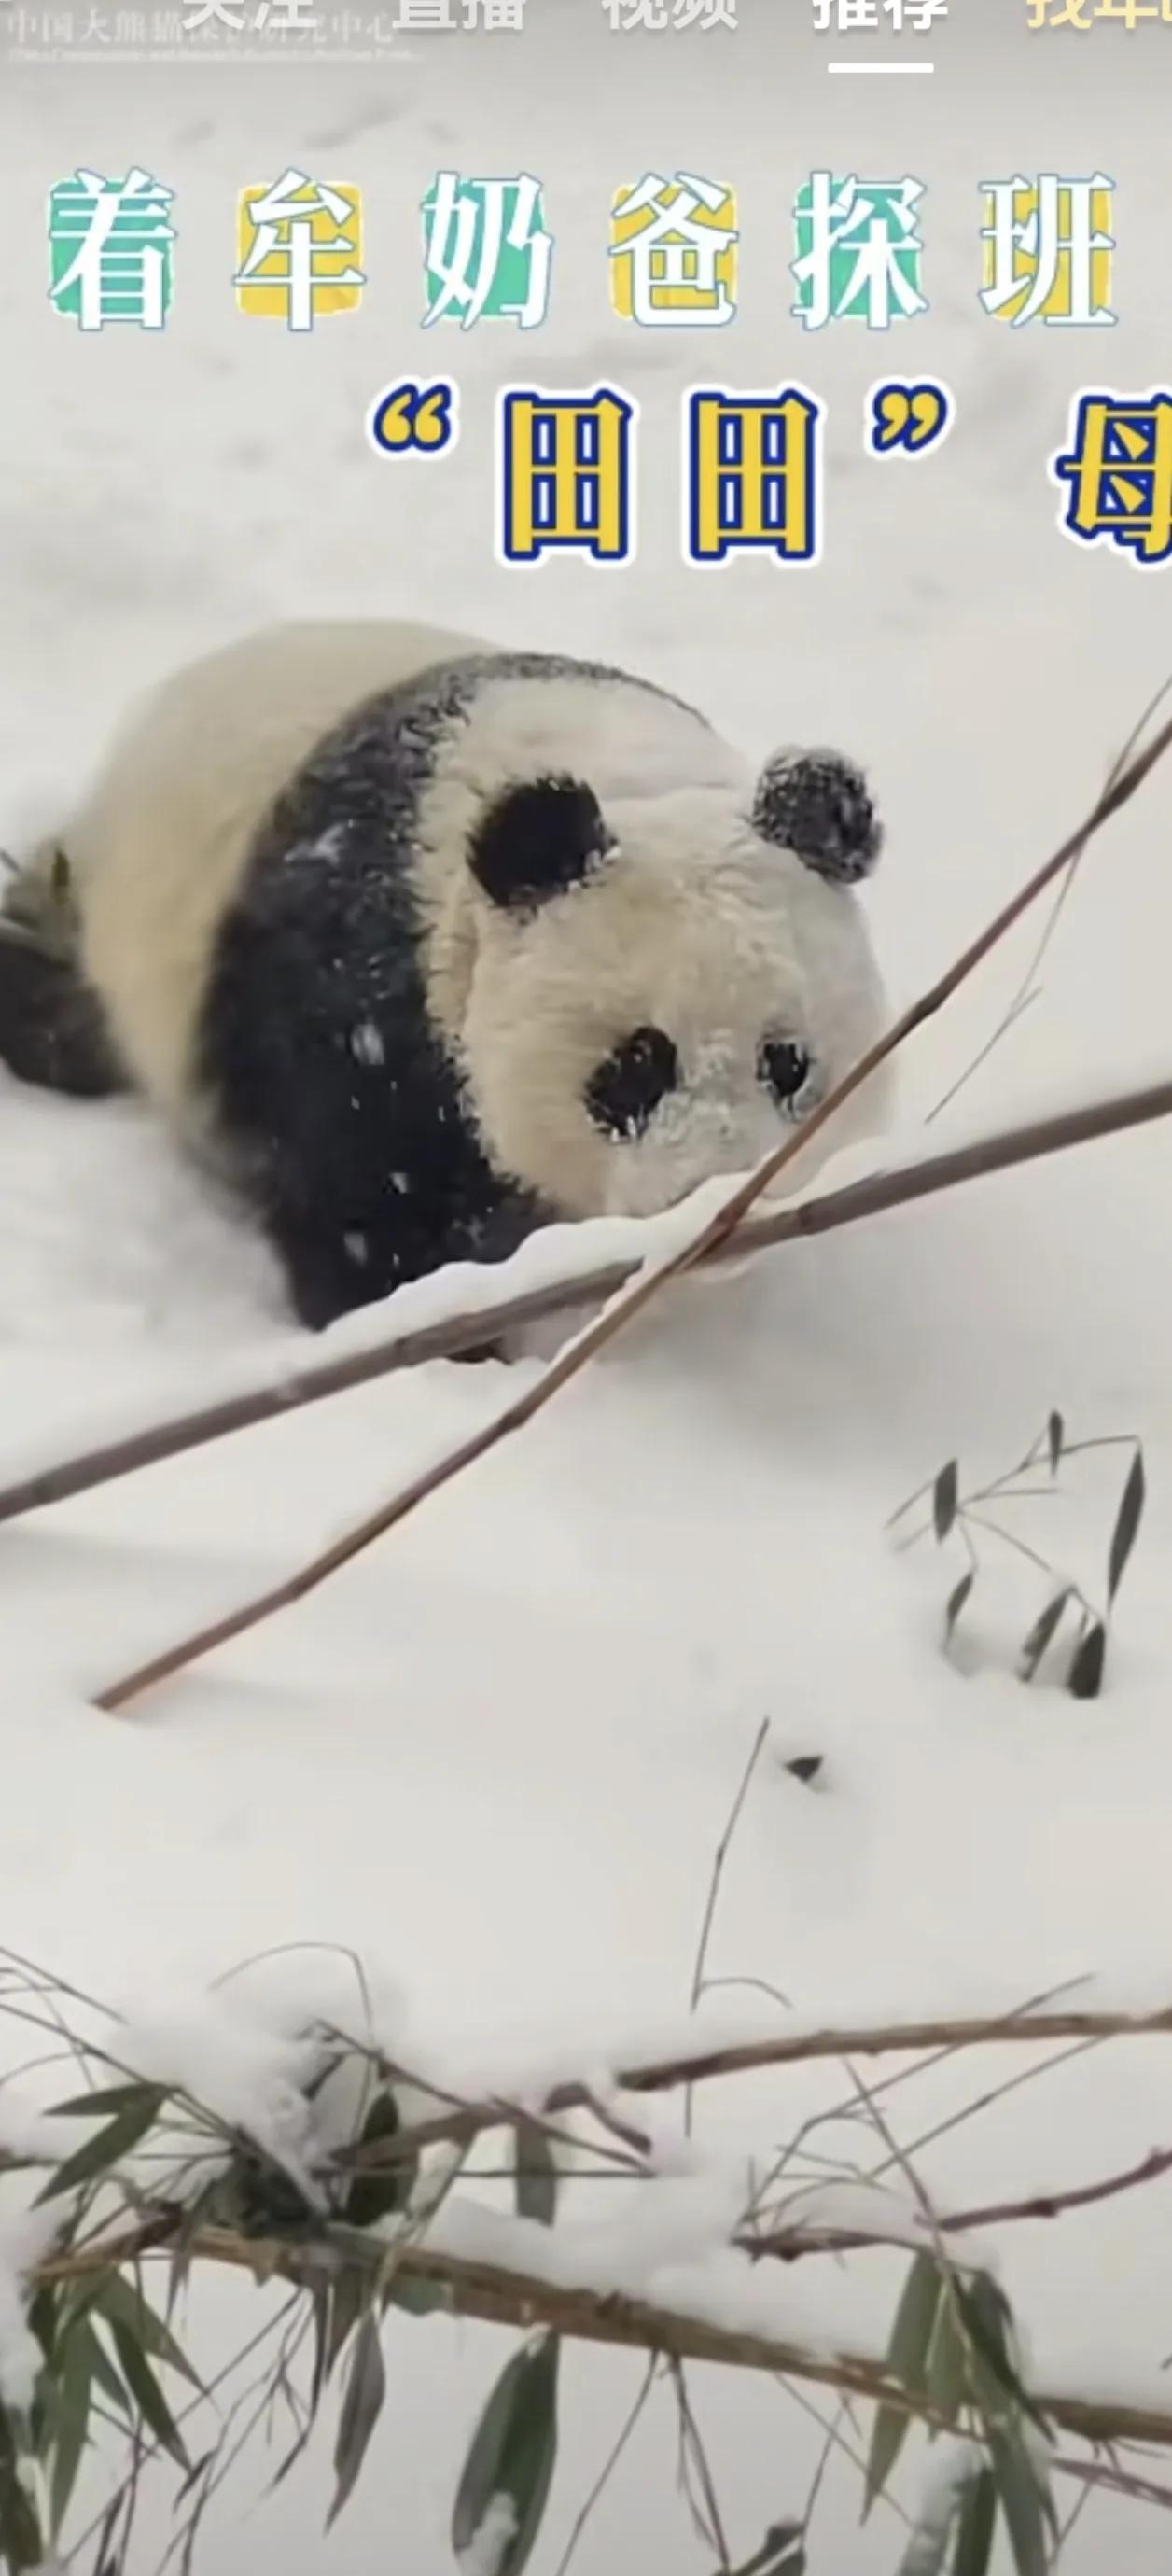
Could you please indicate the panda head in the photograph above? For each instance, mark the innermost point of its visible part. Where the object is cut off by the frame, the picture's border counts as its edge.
(648, 991)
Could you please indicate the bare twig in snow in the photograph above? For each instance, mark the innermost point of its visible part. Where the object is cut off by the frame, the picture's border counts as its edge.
(719, 1858)
(1028, 992)
(789, 2244)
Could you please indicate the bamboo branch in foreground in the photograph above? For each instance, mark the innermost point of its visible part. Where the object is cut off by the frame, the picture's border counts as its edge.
(876, 1195)
(495, 2295)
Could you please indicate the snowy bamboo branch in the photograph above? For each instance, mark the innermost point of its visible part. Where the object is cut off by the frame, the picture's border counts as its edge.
(465, 2121)
(877, 1194)
(162, 2181)
(494, 2294)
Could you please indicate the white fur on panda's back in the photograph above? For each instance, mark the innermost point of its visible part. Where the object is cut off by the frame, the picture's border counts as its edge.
(157, 845)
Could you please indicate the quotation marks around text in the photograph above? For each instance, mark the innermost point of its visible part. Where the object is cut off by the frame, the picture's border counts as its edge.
(410, 419)
(904, 418)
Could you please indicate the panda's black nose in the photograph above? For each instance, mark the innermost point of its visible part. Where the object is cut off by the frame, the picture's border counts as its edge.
(625, 1090)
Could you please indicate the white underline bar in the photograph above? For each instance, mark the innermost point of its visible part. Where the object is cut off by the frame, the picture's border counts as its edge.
(898, 69)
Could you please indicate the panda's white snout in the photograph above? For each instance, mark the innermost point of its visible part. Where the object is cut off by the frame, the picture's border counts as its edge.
(674, 1124)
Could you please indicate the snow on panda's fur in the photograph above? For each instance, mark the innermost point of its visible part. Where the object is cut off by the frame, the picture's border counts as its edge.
(428, 942)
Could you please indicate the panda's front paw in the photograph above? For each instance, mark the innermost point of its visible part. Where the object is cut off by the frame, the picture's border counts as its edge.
(816, 804)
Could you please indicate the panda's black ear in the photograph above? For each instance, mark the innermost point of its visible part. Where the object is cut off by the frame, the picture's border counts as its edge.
(816, 804)
(536, 840)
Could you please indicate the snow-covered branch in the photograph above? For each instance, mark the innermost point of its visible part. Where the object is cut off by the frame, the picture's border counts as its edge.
(471, 1322)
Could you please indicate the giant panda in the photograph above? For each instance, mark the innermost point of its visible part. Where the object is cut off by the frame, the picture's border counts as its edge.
(425, 943)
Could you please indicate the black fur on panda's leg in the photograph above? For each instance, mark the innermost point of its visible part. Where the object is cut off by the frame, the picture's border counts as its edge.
(52, 1029)
(331, 1268)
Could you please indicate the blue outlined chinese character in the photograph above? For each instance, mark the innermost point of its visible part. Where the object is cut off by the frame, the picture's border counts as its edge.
(566, 474)
(752, 473)
(1118, 467)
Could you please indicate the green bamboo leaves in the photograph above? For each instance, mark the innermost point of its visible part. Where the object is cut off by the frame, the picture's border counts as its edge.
(952, 2353)
(965, 1516)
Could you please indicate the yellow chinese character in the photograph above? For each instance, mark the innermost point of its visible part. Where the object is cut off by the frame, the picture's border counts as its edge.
(299, 246)
(752, 474)
(1119, 470)
(1131, 11)
(1074, 13)
(673, 251)
(1048, 249)
(565, 474)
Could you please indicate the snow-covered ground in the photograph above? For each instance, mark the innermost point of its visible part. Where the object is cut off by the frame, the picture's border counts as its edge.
(495, 1755)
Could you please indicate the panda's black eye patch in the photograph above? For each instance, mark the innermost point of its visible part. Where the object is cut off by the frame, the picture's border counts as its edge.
(540, 838)
(784, 1067)
(625, 1090)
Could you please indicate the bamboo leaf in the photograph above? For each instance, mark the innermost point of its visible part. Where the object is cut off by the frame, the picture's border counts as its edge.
(419, 2298)
(946, 2373)
(1085, 1678)
(537, 2173)
(988, 2321)
(957, 1599)
(510, 2462)
(944, 1493)
(21, 2547)
(978, 2519)
(101, 2369)
(381, 2191)
(147, 2394)
(1042, 1634)
(120, 2302)
(107, 2098)
(1123, 1536)
(44, 2314)
(348, 2301)
(362, 2405)
(321, 2299)
(113, 2141)
(907, 2357)
(1055, 1434)
(72, 2424)
(196, 2471)
(216, 2205)
(783, 2552)
(1021, 2502)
